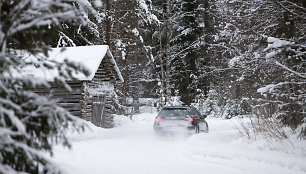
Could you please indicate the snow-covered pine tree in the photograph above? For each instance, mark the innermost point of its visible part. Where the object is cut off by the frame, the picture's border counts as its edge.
(89, 32)
(130, 22)
(30, 123)
(185, 49)
(285, 52)
(269, 47)
(126, 46)
(157, 37)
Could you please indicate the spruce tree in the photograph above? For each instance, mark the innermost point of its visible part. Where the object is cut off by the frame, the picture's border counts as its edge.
(31, 123)
(185, 58)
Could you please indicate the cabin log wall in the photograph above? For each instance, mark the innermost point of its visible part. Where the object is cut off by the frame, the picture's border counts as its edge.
(69, 100)
(105, 73)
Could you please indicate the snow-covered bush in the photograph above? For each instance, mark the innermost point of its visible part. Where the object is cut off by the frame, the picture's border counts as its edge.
(264, 126)
(288, 93)
(231, 109)
(210, 105)
(217, 105)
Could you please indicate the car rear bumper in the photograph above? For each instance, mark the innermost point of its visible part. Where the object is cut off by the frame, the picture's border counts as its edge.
(174, 130)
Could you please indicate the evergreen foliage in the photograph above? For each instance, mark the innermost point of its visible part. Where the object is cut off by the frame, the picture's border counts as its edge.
(227, 57)
(184, 63)
(231, 48)
(30, 123)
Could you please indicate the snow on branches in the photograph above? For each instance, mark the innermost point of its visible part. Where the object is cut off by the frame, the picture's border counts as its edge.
(31, 123)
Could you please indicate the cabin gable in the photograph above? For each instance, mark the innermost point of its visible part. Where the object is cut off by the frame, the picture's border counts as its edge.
(105, 71)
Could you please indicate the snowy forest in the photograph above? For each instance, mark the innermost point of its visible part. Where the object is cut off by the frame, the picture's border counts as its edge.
(226, 57)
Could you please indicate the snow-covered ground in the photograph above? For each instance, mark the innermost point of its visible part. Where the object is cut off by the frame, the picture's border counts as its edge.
(133, 148)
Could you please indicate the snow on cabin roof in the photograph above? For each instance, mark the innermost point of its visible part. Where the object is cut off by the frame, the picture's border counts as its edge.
(88, 56)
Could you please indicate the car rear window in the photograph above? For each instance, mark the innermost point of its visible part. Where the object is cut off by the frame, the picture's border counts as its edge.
(173, 112)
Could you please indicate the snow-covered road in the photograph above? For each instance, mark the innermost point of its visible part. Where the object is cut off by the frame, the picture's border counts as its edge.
(133, 148)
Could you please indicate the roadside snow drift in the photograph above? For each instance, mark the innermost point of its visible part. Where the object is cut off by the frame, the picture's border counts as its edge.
(133, 148)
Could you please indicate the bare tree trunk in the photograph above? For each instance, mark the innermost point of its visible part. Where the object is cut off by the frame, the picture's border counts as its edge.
(126, 75)
(2, 41)
(0, 9)
(168, 51)
(136, 101)
(108, 22)
(207, 59)
(161, 66)
(134, 77)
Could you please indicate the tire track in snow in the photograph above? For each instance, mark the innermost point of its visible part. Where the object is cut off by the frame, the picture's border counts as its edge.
(133, 148)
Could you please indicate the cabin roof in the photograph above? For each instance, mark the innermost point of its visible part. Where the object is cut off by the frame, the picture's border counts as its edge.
(88, 56)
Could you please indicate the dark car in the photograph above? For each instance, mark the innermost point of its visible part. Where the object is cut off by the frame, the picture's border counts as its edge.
(180, 120)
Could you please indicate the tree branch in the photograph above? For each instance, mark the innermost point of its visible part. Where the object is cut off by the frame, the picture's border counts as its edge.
(302, 75)
(288, 10)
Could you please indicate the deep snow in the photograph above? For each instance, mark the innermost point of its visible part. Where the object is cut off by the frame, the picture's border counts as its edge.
(133, 148)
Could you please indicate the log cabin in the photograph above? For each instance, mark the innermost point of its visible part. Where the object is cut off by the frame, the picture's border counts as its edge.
(90, 97)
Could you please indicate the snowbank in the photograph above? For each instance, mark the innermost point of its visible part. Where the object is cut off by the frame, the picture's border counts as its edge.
(133, 148)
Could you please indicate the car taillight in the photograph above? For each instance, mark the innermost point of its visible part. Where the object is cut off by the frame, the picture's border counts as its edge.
(189, 119)
(158, 120)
